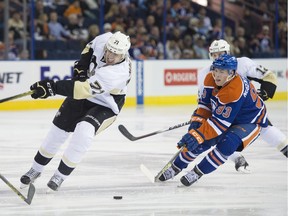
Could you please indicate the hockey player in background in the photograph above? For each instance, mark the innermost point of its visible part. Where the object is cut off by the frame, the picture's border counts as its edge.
(267, 79)
(94, 98)
(255, 72)
(229, 116)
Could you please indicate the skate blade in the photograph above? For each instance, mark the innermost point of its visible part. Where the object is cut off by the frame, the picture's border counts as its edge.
(182, 186)
(23, 186)
(50, 191)
(244, 170)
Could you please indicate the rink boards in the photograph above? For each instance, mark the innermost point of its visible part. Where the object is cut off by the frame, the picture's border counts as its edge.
(153, 82)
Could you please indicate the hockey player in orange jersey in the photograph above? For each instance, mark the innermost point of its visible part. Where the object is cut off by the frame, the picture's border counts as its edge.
(229, 116)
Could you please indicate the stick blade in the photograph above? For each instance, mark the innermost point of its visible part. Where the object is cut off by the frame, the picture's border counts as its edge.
(126, 133)
(30, 195)
(147, 173)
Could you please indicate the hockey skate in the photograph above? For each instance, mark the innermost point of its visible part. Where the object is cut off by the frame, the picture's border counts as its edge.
(191, 177)
(55, 182)
(284, 151)
(170, 173)
(241, 165)
(29, 177)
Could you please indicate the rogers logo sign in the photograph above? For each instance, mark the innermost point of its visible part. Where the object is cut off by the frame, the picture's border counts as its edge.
(180, 77)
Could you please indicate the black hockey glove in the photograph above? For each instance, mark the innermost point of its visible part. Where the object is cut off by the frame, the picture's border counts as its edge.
(43, 89)
(267, 90)
(79, 73)
(263, 94)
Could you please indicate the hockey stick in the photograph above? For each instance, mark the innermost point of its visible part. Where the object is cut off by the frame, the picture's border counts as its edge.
(129, 136)
(150, 176)
(30, 194)
(17, 96)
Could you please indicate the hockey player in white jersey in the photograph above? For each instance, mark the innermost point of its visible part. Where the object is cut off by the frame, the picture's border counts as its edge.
(94, 98)
(253, 71)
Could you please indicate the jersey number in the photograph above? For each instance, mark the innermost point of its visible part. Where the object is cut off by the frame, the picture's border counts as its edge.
(225, 111)
(261, 69)
(96, 87)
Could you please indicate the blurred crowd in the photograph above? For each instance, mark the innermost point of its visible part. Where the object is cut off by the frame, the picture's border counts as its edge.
(63, 27)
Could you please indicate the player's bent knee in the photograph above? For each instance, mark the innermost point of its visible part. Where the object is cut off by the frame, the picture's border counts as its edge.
(229, 144)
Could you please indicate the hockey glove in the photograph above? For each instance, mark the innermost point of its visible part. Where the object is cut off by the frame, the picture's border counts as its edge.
(196, 121)
(43, 89)
(263, 94)
(191, 139)
(267, 90)
(79, 73)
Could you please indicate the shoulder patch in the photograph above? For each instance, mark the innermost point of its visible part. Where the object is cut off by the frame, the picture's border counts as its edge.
(231, 92)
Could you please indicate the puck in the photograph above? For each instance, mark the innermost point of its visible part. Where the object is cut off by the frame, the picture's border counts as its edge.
(117, 197)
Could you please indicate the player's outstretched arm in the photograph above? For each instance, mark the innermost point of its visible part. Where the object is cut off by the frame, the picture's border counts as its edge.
(68, 88)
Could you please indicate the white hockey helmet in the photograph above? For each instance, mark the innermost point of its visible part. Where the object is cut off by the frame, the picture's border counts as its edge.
(118, 43)
(219, 46)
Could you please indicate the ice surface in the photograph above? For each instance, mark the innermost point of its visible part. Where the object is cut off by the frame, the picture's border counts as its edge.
(111, 167)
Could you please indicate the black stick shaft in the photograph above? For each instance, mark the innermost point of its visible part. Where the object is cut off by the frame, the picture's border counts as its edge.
(129, 136)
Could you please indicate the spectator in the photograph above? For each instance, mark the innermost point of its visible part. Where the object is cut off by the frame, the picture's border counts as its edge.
(265, 41)
(24, 55)
(240, 48)
(263, 10)
(139, 23)
(56, 29)
(13, 52)
(205, 21)
(282, 28)
(76, 31)
(2, 51)
(49, 5)
(188, 54)
(240, 32)
(186, 11)
(16, 25)
(176, 34)
(107, 27)
(251, 24)
(93, 31)
(41, 28)
(39, 9)
(216, 31)
(92, 4)
(192, 27)
(187, 42)
(150, 50)
(89, 9)
(173, 50)
(155, 33)
(112, 12)
(74, 8)
(135, 51)
(228, 34)
(118, 23)
(146, 19)
(201, 51)
(150, 22)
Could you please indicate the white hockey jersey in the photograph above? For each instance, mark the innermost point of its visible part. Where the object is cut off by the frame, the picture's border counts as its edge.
(107, 80)
(245, 68)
